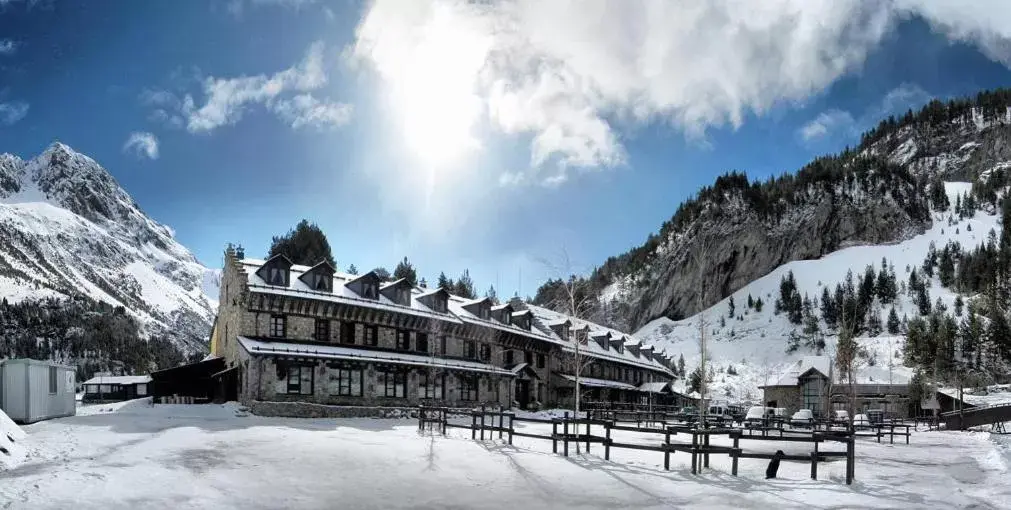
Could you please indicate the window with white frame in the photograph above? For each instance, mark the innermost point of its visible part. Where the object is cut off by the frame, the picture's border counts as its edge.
(345, 380)
(277, 326)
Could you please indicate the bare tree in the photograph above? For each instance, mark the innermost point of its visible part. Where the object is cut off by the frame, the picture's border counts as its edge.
(576, 305)
(700, 259)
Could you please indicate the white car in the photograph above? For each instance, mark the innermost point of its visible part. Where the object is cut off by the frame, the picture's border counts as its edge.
(757, 414)
(861, 420)
(841, 416)
(802, 417)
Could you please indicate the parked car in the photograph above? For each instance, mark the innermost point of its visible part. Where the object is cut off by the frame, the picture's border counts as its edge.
(861, 420)
(688, 414)
(804, 417)
(841, 416)
(757, 415)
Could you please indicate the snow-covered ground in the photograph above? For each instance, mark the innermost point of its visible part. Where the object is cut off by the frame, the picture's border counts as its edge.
(137, 456)
(755, 342)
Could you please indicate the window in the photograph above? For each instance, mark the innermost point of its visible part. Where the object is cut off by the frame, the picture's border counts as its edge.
(322, 330)
(404, 295)
(370, 290)
(507, 317)
(276, 276)
(321, 281)
(105, 388)
(442, 345)
(394, 382)
(91, 389)
(485, 312)
(432, 386)
(403, 340)
(528, 358)
(277, 324)
(485, 352)
(347, 333)
(509, 357)
(469, 349)
(372, 335)
(468, 387)
(540, 361)
(440, 304)
(141, 390)
(421, 342)
(299, 380)
(52, 379)
(345, 381)
(813, 394)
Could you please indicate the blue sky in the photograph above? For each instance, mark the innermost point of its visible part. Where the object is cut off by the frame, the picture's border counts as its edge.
(487, 137)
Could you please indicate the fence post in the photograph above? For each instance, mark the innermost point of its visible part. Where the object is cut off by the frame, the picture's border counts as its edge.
(607, 440)
(695, 451)
(666, 449)
(565, 435)
(587, 436)
(907, 434)
(512, 417)
(814, 463)
(482, 423)
(705, 462)
(501, 425)
(421, 418)
(850, 461)
(734, 453)
(473, 424)
(445, 417)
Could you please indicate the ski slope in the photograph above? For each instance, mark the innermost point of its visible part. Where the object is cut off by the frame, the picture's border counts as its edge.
(755, 342)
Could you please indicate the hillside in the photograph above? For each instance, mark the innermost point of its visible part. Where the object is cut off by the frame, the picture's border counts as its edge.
(71, 238)
(755, 342)
(880, 192)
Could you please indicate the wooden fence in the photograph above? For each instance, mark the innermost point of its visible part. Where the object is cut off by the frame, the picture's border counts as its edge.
(566, 430)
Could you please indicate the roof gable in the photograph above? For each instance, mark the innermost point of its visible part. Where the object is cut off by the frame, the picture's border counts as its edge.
(437, 300)
(319, 277)
(275, 271)
(480, 307)
(398, 291)
(366, 285)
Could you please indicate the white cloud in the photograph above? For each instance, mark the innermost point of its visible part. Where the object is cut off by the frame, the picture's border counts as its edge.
(13, 111)
(285, 93)
(573, 75)
(142, 144)
(570, 74)
(831, 121)
(304, 110)
(8, 46)
(834, 122)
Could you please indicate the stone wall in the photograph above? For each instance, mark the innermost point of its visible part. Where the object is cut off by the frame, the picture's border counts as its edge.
(311, 410)
(785, 396)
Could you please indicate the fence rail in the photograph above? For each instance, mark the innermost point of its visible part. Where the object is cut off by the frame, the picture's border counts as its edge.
(566, 430)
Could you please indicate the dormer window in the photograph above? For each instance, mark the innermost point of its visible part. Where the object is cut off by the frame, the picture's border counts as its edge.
(522, 319)
(437, 300)
(485, 312)
(370, 290)
(319, 277)
(275, 271)
(479, 307)
(399, 292)
(507, 319)
(403, 295)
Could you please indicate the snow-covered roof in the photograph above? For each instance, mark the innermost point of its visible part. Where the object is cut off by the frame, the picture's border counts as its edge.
(822, 364)
(254, 346)
(456, 306)
(601, 383)
(653, 387)
(594, 349)
(119, 379)
(340, 294)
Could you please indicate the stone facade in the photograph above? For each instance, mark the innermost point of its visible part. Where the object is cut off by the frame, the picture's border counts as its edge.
(246, 311)
(783, 396)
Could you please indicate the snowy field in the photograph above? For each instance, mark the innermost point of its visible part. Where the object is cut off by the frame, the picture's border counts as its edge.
(137, 456)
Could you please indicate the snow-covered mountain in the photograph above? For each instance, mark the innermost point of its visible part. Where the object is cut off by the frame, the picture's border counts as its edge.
(755, 342)
(68, 229)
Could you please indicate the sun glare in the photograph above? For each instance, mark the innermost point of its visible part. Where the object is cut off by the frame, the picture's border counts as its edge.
(437, 103)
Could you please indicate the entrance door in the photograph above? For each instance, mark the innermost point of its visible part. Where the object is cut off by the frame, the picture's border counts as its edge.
(523, 392)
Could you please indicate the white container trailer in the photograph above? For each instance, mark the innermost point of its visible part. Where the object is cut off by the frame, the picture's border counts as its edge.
(32, 390)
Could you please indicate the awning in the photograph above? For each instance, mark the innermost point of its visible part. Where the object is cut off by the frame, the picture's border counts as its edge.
(521, 368)
(288, 349)
(600, 383)
(225, 371)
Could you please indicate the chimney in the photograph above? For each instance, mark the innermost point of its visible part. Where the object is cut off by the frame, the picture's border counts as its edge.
(240, 252)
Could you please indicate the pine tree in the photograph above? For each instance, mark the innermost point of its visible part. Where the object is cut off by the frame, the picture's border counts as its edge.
(874, 323)
(946, 268)
(828, 309)
(886, 288)
(923, 300)
(465, 286)
(382, 273)
(958, 305)
(681, 364)
(867, 290)
(491, 294)
(730, 307)
(758, 305)
(444, 283)
(893, 322)
(751, 302)
(305, 244)
(352, 269)
(405, 270)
